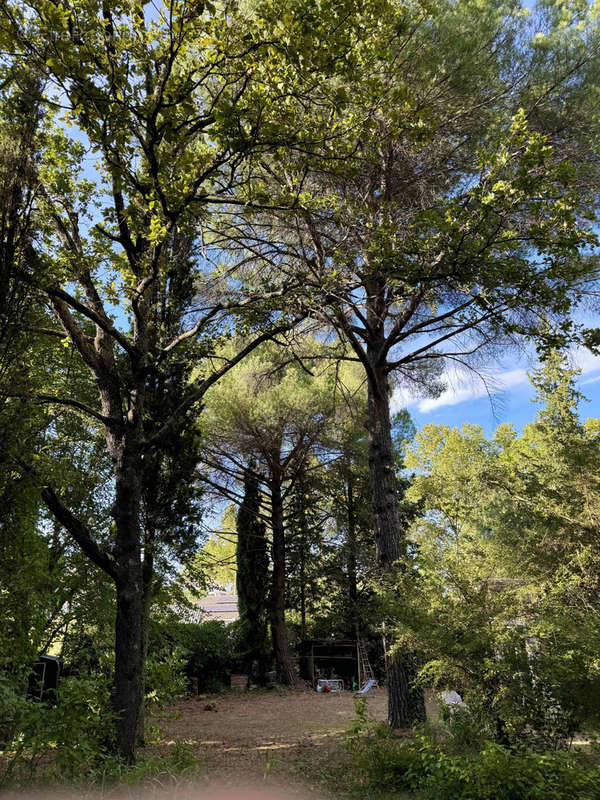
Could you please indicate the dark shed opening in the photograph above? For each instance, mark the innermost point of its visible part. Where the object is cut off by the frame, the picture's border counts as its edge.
(330, 658)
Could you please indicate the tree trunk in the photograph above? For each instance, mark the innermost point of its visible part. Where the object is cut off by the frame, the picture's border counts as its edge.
(351, 558)
(252, 579)
(129, 657)
(389, 539)
(405, 702)
(127, 692)
(278, 631)
(303, 551)
(302, 598)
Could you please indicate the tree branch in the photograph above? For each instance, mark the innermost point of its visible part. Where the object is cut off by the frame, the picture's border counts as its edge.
(101, 321)
(202, 386)
(81, 534)
(64, 401)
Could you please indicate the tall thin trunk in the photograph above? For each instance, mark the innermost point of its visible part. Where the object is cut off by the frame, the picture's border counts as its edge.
(303, 549)
(351, 554)
(147, 576)
(302, 596)
(278, 629)
(405, 702)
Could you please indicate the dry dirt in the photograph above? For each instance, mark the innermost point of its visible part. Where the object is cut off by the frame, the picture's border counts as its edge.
(264, 732)
(262, 745)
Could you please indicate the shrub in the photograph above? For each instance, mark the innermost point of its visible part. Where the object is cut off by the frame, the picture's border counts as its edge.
(499, 774)
(165, 676)
(423, 765)
(208, 650)
(70, 735)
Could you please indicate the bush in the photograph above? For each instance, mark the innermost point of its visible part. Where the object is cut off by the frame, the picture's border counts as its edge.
(208, 650)
(422, 765)
(465, 728)
(499, 774)
(70, 735)
(165, 676)
(494, 774)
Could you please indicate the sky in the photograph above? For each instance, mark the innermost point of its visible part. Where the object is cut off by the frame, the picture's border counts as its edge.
(510, 397)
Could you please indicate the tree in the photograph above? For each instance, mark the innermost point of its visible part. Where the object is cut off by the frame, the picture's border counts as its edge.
(454, 215)
(37, 572)
(346, 489)
(270, 410)
(158, 103)
(504, 601)
(252, 576)
(216, 562)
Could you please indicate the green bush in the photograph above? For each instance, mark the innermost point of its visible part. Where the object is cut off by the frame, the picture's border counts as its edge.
(422, 765)
(165, 676)
(499, 774)
(208, 650)
(67, 737)
(465, 727)
(493, 774)
(81, 724)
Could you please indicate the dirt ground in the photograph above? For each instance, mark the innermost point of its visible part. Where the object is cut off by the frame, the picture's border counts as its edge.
(239, 728)
(263, 733)
(261, 745)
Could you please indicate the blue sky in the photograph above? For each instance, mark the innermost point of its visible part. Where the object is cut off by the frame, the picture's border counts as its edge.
(466, 400)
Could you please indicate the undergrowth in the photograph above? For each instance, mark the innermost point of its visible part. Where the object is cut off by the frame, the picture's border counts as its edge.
(178, 763)
(425, 768)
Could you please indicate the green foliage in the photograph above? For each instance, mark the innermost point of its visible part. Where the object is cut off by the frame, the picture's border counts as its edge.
(207, 651)
(502, 602)
(70, 735)
(217, 559)
(179, 762)
(420, 765)
(165, 676)
(386, 162)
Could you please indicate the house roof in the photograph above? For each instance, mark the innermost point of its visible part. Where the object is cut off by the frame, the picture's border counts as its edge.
(221, 606)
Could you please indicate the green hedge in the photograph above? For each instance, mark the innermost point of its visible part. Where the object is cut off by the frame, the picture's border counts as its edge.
(209, 650)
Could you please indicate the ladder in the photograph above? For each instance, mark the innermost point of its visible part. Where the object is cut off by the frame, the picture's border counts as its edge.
(365, 671)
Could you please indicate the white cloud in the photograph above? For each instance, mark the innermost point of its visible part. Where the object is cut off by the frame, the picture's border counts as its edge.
(590, 380)
(463, 385)
(587, 362)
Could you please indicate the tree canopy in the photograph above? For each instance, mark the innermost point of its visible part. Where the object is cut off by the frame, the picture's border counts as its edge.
(227, 232)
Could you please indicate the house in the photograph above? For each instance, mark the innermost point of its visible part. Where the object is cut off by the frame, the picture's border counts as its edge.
(221, 606)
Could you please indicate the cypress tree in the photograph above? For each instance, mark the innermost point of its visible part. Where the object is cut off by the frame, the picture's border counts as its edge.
(252, 578)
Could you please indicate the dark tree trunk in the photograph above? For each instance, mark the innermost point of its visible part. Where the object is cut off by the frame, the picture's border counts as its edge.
(278, 630)
(303, 551)
(389, 539)
(129, 655)
(252, 579)
(351, 560)
(302, 596)
(405, 702)
(127, 693)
